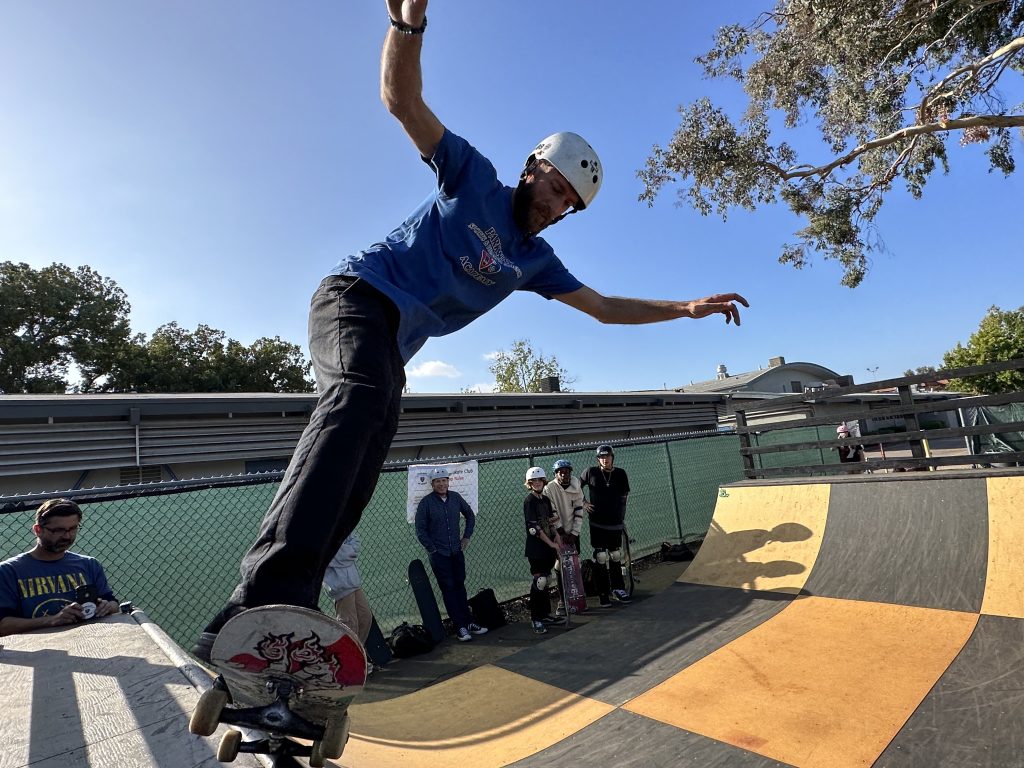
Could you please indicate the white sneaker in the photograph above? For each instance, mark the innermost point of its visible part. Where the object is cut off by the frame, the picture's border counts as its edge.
(621, 595)
(476, 629)
(463, 635)
(539, 628)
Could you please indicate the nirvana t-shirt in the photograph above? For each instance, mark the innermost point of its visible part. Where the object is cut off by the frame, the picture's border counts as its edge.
(30, 588)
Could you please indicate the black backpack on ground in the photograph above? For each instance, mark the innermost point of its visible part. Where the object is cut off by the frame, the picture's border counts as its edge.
(409, 640)
(486, 611)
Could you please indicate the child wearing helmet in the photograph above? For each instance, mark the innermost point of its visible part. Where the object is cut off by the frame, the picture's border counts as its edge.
(541, 547)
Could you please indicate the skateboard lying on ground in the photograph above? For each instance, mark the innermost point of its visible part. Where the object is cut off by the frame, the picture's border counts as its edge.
(422, 590)
(290, 672)
(573, 594)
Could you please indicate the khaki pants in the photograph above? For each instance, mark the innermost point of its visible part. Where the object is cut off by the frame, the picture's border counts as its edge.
(354, 612)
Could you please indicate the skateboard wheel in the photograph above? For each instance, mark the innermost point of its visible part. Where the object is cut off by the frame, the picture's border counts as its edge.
(335, 737)
(206, 715)
(227, 751)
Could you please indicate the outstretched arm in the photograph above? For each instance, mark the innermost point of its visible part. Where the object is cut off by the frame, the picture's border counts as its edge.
(624, 311)
(401, 80)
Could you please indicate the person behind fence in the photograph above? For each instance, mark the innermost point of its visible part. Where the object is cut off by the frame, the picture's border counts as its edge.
(345, 586)
(468, 246)
(608, 488)
(51, 586)
(541, 548)
(566, 496)
(848, 453)
(438, 526)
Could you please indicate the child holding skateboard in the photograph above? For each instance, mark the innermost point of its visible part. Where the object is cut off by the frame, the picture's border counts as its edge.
(566, 496)
(542, 542)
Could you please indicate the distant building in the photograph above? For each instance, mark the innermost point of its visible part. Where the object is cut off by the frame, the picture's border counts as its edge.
(779, 377)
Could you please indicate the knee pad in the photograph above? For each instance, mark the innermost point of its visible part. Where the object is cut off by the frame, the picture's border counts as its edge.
(540, 583)
(616, 555)
(601, 556)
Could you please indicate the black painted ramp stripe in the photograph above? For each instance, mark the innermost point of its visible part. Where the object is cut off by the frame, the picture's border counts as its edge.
(922, 544)
(624, 740)
(630, 652)
(974, 716)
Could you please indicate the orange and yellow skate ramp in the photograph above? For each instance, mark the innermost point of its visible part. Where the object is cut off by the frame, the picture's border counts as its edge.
(870, 621)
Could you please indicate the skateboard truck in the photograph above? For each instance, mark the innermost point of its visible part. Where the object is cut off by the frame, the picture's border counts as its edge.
(276, 716)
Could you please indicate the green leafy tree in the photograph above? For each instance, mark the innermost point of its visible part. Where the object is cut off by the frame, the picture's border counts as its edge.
(521, 369)
(923, 370)
(56, 318)
(205, 360)
(1000, 337)
(889, 85)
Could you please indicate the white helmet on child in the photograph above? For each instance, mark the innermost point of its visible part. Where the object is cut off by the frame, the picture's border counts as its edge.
(535, 473)
(842, 429)
(575, 159)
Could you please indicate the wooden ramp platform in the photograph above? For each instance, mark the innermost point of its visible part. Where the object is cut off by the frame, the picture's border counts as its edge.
(876, 621)
(98, 695)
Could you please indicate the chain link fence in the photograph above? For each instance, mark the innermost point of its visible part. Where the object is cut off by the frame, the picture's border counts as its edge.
(174, 548)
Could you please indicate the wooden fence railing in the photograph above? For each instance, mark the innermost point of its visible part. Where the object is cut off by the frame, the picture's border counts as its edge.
(907, 409)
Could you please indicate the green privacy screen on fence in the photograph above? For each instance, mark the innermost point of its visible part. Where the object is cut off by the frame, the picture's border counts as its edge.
(175, 553)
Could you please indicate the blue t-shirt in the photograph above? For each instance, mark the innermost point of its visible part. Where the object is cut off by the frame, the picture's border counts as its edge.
(459, 253)
(30, 588)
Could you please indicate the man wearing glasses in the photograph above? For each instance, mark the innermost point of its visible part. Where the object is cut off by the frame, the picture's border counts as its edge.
(50, 586)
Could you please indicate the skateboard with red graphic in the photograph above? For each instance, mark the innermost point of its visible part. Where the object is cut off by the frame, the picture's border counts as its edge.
(573, 595)
(286, 671)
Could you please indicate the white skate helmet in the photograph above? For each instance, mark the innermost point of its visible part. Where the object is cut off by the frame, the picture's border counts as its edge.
(535, 473)
(575, 159)
(439, 473)
(842, 429)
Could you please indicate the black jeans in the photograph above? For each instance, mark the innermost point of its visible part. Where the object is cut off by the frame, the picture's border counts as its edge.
(450, 572)
(360, 377)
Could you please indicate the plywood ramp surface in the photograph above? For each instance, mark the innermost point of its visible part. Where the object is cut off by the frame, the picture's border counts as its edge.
(97, 695)
(762, 538)
(823, 683)
(483, 718)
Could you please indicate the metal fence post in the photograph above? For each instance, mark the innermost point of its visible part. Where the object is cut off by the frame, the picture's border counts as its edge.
(672, 485)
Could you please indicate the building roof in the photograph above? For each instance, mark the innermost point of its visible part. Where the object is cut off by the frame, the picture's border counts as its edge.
(745, 380)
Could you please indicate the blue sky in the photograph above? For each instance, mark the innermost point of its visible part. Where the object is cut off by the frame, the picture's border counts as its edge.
(217, 158)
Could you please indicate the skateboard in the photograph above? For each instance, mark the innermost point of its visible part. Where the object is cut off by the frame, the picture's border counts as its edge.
(377, 649)
(573, 594)
(287, 671)
(627, 563)
(423, 591)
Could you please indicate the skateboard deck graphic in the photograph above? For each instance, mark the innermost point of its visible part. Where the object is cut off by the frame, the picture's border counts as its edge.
(573, 593)
(290, 672)
(423, 591)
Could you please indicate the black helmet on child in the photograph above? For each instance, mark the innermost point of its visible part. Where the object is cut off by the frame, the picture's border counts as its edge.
(605, 450)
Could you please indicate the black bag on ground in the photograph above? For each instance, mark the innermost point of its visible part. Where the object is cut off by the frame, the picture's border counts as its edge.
(409, 640)
(589, 582)
(676, 552)
(486, 611)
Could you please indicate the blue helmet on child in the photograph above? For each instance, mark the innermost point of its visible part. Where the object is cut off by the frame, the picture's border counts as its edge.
(561, 464)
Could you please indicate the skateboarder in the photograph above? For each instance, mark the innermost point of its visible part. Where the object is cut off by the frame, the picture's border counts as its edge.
(464, 250)
(437, 528)
(38, 589)
(541, 547)
(567, 499)
(608, 487)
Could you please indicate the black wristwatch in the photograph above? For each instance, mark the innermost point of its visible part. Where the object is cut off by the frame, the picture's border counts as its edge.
(405, 29)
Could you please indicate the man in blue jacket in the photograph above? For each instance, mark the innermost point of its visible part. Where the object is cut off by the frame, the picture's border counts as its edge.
(439, 530)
